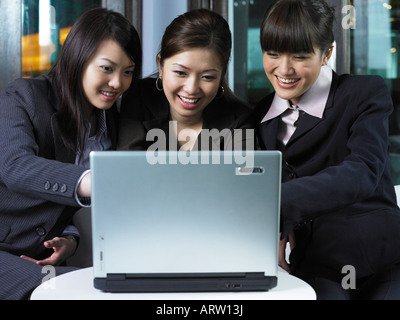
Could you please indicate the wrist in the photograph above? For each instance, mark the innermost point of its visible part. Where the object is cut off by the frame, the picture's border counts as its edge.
(85, 186)
(71, 236)
(74, 239)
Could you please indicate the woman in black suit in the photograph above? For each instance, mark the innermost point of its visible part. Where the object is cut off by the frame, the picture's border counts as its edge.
(48, 127)
(189, 106)
(338, 202)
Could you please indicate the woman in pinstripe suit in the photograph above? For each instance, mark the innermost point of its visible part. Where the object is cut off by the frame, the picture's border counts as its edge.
(48, 126)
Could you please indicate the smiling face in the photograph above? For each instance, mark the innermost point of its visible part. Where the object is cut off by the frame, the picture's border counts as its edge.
(107, 75)
(190, 80)
(293, 74)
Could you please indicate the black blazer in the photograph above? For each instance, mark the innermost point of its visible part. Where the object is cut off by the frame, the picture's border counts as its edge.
(145, 108)
(37, 193)
(337, 192)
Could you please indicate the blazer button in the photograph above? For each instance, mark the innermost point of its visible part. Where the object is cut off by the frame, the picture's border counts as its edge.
(40, 231)
(55, 187)
(47, 185)
(63, 188)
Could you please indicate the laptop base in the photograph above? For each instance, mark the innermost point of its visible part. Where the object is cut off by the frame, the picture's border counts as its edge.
(185, 283)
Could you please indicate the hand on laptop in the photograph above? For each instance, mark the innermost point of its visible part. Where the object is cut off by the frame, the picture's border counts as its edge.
(282, 251)
(63, 249)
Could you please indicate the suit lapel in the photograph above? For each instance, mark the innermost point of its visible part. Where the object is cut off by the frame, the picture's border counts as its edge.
(308, 122)
(269, 133)
(159, 107)
(61, 153)
(111, 120)
(161, 115)
(161, 123)
(217, 115)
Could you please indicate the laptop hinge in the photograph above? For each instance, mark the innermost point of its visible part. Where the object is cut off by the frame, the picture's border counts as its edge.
(251, 275)
(173, 275)
(119, 277)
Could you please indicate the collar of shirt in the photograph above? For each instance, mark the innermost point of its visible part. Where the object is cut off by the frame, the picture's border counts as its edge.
(312, 102)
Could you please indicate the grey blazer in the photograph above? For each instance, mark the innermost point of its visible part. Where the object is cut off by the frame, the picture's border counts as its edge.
(37, 193)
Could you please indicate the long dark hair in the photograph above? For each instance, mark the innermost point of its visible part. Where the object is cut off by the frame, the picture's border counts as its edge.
(199, 28)
(88, 32)
(297, 26)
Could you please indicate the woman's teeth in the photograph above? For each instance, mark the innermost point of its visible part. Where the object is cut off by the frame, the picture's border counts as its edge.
(287, 81)
(108, 94)
(189, 101)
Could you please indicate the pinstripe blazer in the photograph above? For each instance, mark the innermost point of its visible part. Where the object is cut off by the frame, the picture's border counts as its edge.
(37, 178)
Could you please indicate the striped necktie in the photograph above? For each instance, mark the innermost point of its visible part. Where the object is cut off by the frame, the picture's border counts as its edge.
(290, 120)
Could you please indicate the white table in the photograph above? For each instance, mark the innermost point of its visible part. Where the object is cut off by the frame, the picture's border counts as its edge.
(78, 285)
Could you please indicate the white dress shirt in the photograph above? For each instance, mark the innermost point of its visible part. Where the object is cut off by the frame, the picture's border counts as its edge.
(312, 102)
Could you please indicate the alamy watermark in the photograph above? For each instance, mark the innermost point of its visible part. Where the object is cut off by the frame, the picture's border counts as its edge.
(237, 144)
(47, 282)
(349, 280)
(349, 20)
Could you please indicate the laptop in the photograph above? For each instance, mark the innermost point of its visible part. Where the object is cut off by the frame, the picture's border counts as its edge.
(171, 221)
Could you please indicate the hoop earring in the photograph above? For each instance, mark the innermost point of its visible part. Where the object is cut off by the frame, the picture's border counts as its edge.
(157, 85)
(221, 92)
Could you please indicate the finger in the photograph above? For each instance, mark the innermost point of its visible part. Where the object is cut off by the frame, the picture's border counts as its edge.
(29, 259)
(47, 262)
(56, 242)
(282, 262)
(282, 256)
(285, 266)
(281, 259)
(292, 241)
(53, 260)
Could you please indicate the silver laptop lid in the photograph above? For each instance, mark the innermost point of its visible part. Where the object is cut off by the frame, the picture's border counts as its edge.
(175, 212)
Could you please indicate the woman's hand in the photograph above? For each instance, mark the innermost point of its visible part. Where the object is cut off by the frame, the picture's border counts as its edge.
(282, 252)
(63, 249)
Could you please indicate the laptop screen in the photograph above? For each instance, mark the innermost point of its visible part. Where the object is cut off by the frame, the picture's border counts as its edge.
(174, 212)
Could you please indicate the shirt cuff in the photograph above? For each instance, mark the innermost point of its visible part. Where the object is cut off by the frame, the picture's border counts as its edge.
(70, 230)
(83, 202)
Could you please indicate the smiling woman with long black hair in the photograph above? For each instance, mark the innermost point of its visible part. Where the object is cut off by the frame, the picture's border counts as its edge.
(48, 127)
